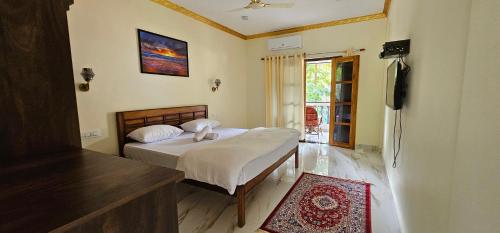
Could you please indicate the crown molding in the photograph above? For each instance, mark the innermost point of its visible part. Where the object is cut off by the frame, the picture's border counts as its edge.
(191, 14)
(170, 5)
(319, 25)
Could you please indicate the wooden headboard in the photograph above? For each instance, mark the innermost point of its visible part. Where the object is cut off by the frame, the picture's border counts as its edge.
(127, 122)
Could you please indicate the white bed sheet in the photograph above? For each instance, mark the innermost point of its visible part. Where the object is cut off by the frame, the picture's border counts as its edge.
(166, 153)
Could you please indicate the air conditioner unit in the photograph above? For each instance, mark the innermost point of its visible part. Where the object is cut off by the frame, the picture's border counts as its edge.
(291, 42)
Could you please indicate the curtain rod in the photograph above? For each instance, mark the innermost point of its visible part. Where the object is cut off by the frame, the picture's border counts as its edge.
(315, 54)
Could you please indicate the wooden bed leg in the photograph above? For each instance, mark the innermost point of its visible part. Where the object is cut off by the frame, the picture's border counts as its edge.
(240, 194)
(297, 157)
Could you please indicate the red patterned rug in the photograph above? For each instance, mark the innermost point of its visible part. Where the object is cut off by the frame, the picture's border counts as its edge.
(322, 204)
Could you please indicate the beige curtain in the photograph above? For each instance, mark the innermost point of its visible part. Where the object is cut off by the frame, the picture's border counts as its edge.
(285, 92)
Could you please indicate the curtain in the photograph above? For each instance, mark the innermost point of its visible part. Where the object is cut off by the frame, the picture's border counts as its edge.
(285, 92)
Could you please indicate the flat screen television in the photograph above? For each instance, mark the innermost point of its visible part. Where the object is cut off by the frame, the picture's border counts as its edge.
(395, 92)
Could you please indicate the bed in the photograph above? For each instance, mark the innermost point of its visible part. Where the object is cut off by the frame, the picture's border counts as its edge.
(167, 153)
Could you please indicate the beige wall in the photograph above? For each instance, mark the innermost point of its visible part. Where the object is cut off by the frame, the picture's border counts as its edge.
(106, 41)
(446, 174)
(103, 36)
(370, 35)
(476, 190)
(422, 181)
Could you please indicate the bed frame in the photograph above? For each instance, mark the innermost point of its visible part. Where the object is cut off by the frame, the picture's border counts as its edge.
(131, 120)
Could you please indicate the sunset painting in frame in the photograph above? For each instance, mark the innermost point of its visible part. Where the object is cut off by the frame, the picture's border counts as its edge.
(163, 55)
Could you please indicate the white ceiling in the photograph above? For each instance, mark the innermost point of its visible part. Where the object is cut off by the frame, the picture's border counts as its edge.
(304, 12)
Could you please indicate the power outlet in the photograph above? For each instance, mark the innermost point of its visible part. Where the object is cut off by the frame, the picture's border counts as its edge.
(95, 133)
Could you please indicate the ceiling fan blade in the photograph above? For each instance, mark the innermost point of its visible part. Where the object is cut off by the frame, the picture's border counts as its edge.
(280, 5)
(237, 9)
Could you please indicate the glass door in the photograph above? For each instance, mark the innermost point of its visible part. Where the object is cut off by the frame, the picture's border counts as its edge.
(344, 97)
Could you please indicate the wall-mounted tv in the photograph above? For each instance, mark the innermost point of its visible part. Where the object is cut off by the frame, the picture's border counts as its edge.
(396, 85)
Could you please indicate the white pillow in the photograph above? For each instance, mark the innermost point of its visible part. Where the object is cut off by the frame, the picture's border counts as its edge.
(155, 133)
(197, 125)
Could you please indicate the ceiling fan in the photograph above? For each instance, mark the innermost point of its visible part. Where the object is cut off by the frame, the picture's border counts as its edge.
(258, 4)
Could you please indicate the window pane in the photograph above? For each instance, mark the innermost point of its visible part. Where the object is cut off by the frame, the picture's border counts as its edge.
(343, 113)
(344, 71)
(341, 133)
(343, 92)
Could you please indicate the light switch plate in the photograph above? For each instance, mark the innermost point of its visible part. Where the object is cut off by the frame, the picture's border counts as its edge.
(94, 133)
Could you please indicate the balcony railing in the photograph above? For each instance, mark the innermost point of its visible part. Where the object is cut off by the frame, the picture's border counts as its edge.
(323, 109)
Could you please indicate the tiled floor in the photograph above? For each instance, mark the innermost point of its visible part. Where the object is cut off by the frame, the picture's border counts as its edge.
(317, 138)
(204, 211)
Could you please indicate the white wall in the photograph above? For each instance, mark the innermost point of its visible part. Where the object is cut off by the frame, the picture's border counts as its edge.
(370, 35)
(447, 174)
(104, 36)
(476, 191)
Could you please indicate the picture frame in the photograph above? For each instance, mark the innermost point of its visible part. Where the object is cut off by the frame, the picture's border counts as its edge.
(162, 55)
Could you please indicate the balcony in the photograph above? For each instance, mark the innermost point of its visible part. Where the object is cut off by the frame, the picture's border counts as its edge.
(318, 95)
(318, 133)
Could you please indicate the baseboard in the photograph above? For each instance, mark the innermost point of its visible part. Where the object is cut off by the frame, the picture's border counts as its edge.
(371, 148)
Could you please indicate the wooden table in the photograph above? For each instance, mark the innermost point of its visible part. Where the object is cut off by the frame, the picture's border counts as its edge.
(85, 191)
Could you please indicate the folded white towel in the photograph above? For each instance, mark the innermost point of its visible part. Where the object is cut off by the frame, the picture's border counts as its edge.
(200, 135)
(212, 136)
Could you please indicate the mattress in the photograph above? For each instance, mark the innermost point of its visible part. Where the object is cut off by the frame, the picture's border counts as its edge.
(166, 153)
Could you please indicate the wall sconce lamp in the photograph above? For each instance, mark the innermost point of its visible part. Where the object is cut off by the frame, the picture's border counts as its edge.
(87, 75)
(217, 83)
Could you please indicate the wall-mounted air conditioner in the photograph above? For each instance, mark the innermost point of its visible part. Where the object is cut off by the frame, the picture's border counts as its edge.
(291, 42)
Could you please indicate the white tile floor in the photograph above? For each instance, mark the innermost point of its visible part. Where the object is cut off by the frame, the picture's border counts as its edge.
(205, 211)
(322, 137)
(317, 138)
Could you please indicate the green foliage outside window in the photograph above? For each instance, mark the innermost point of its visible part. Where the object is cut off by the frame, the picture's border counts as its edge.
(318, 78)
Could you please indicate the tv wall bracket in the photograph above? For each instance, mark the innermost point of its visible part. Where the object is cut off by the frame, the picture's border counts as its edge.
(395, 49)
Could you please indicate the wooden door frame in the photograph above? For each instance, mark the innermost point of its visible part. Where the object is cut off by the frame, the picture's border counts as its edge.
(354, 101)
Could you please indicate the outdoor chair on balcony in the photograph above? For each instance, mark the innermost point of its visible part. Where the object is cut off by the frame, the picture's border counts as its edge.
(313, 121)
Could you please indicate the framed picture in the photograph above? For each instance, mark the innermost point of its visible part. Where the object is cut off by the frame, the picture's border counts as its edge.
(163, 55)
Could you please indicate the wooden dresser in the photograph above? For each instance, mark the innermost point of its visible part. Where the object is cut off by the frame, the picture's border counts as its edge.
(84, 191)
(48, 183)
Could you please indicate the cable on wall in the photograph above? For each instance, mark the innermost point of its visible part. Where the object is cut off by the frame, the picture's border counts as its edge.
(396, 152)
(397, 148)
